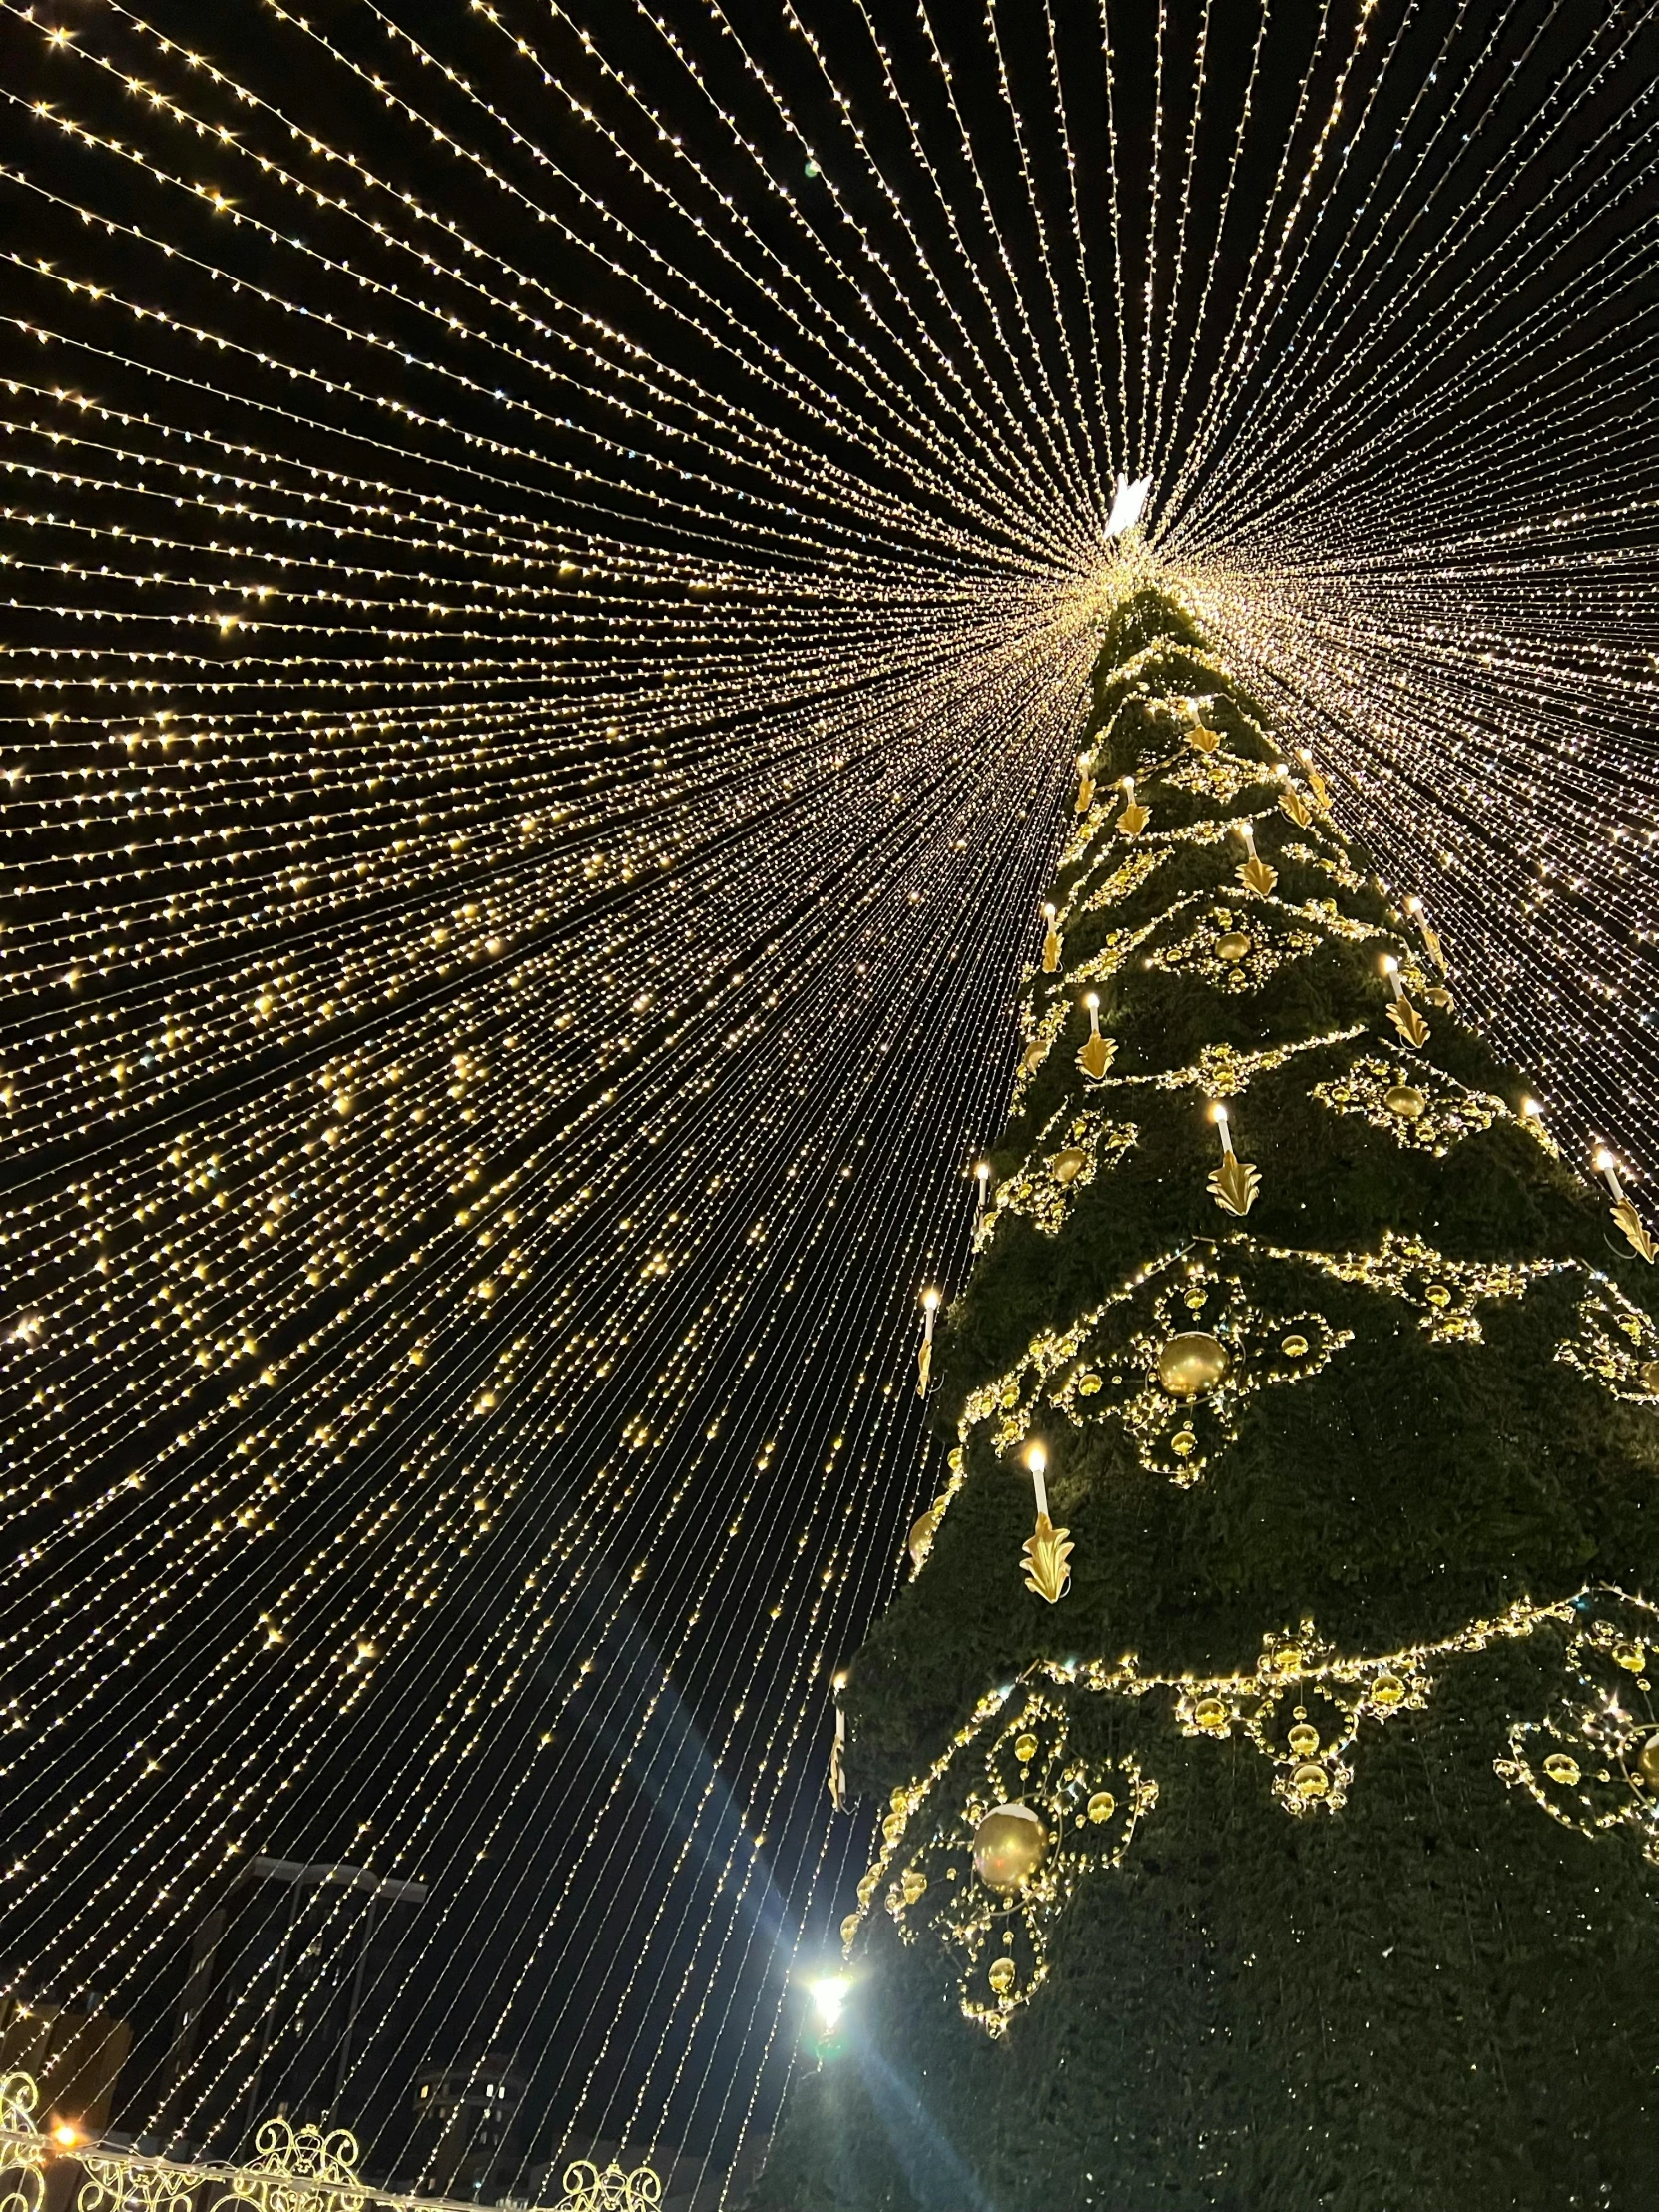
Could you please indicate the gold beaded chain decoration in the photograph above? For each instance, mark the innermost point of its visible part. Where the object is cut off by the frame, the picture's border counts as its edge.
(1303, 1713)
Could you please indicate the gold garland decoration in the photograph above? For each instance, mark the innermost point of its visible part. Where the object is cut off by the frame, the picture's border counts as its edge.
(1593, 1764)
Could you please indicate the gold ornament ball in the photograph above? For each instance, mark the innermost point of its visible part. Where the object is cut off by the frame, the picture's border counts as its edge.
(1406, 1101)
(1008, 1847)
(1562, 1769)
(1069, 1165)
(1304, 1741)
(1311, 1781)
(850, 1927)
(1233, 947)
(1211, 1713)
(1386, 1689)
(1294, 1347)
(1025, 1749)
(1103, 1805)
(1632, 1657)
(1192, 1361)
(1647, 1760)
(914, 1884)
(1002, 1976)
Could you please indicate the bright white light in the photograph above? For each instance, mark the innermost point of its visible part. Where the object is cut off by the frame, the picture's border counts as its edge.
(829, 1998)
(1128, 504)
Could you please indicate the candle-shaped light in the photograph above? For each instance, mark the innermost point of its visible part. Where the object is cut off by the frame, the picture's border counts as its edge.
(1253, 872)
(1629, 1223)
(1414, 908)
(837, 1751)
(1405, 1016)
(925, 1358)
(1235, 1183)
(1096, 1055)
(1134, 816)
(982, 1180)
(1292, 803)
(1316, 781)
(1036, 1458)
(1085, 782)
(1051, 942)
(1047, 1549)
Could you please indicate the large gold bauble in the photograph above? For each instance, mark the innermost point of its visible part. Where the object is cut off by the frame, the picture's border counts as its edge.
(1210, 1713)
(1103, 1805)
(1647, 1761)
(850, 1927)
(1002, 1976)
(1069, 1165)
(1386, 1689)
(1406, 1101)
(1009, 1846)
(1233, 947)
(1025, 1749)
(1311, 1781)
(1632, 1657)
(1192, 1361)
(1562, 1768)
(1302, 1740)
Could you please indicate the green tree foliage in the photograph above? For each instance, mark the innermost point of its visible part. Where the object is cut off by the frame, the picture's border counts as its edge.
(1347, 1901)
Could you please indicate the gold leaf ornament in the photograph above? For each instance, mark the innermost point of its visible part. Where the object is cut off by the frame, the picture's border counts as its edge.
(1410, 1025)
(1625, 1217)
(1253, 872)
(1634, 1231)
(1235, 1184)
(1045, 1554)
(1134, 816)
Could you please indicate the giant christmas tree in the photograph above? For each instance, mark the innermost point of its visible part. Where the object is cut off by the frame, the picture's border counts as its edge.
(1270, 1822)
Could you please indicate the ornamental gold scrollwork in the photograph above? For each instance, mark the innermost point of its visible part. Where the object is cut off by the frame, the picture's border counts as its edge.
(1235, 952)
(1113, 1364)
(1616, 1344)
(999, 1941)
(22, 2145)
(296, 2169)
(1422, 1109)
(591, 2188)
(1067, 1156)
(1592, 1761)
(115, 2184)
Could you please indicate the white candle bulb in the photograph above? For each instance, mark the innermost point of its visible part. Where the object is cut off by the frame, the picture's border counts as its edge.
(1036, 1458)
